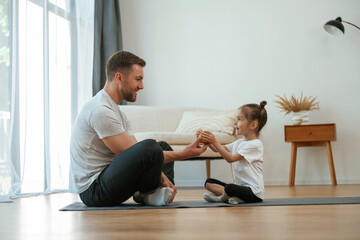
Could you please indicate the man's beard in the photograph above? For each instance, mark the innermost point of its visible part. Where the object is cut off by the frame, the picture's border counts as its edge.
(128, 96)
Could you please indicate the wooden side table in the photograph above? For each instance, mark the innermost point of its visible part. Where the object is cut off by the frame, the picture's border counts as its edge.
(310, 136)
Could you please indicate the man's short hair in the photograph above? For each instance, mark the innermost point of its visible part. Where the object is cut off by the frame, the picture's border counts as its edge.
(122, 61)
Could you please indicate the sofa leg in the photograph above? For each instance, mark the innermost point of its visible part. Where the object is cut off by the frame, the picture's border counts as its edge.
(208, 168)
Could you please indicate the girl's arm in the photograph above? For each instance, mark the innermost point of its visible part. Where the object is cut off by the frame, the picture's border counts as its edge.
(213, 148)
(214, 143)
(227, 155)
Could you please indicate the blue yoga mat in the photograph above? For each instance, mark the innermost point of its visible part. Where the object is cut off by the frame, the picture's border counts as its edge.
(79, 206)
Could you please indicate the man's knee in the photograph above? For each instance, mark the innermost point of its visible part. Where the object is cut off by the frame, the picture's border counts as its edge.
(151, 147)
(165, 146)
(149, 144)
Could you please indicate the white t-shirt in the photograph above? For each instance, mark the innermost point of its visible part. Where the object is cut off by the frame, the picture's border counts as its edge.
(99, 118)
(248, 172)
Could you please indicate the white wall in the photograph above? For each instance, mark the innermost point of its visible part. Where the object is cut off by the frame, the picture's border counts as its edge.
(223, 54)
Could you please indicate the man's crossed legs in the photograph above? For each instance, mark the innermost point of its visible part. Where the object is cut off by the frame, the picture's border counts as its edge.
(135, 170)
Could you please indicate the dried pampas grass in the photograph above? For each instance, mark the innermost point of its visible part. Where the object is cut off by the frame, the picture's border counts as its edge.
(297, 104)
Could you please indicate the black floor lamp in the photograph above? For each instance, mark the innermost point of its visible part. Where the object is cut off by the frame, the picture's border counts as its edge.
(335, 27)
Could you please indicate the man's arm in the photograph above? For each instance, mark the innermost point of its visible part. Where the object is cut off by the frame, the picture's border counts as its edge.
(123, 141)
(190, 151)
(120, 142)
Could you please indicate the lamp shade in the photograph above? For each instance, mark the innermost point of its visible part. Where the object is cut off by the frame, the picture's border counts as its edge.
(335, 27)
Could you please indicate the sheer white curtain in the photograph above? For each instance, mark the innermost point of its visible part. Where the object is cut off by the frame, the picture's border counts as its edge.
(5, 95)
(51, 45)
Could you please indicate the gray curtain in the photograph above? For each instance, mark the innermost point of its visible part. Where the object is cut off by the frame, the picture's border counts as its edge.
(107, 38)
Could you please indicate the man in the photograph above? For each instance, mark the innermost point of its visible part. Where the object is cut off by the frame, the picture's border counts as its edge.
(108, 165)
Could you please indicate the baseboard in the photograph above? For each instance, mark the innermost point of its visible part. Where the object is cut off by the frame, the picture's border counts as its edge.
(310, 182)
(196, 183)
(200, 183)
(189, 183)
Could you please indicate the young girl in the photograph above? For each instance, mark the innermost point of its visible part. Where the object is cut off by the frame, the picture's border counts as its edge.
(245, 155)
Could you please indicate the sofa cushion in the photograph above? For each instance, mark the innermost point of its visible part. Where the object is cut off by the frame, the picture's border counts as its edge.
(214, 121)
(155, 118)
(152, 118)
(180, 138)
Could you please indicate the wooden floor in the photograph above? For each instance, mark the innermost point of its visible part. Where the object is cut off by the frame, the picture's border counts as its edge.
(39, 218)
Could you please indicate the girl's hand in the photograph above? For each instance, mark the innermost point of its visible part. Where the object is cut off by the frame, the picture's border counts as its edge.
(199, 136)
(208, 137)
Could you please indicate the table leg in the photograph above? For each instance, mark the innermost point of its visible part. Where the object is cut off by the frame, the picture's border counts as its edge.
(208, 168)
(292, 164)
(331, 163)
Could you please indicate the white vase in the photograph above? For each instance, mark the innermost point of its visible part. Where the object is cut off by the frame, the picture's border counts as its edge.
(300, 117)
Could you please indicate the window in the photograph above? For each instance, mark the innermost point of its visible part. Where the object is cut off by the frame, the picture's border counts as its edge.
(42, 46)
(5, 93)
(44, 60)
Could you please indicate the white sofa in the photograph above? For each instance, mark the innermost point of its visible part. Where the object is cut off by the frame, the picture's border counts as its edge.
(177, 126)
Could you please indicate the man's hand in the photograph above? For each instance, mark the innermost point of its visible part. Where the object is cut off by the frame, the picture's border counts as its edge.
(195, 149)
(198, 132)
(190, 151)
(165, 182)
